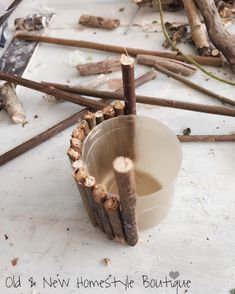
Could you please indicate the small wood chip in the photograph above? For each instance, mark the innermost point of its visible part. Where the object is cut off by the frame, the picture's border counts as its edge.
(107, 261)
(14, 261)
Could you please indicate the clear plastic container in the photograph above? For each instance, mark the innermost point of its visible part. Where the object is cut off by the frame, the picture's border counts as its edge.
(157, 156)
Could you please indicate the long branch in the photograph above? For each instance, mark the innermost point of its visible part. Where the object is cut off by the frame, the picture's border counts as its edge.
(77, 99)
(187, 57)
(206, 60)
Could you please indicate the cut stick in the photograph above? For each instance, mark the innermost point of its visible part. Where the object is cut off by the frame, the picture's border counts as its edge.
(79, 134)
(141, 80)
(37, 140)
(150, 75)
(99, 22)
(206, 60)
(221, 39)
(128, 79)
(99, 115)
(198, 30)
(51, 91)
(83, 125)
(207, 138)
(108, 112)
(80, 174)
(76, 144)
(124, 174)
(119, 107)
(194, 86)
(73, 154)
(76, 165)
(102, 67)
(90, 118)
(99, 194)
(220, 110)
(94, 83)
(11, 103)
(89, 184)
(204, 108)
(172, 65)
(111, 206)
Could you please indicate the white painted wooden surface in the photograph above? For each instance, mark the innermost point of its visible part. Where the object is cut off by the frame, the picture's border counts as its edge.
(39, 200)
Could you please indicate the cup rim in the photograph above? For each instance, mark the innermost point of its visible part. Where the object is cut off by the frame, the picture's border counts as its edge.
(172, 180)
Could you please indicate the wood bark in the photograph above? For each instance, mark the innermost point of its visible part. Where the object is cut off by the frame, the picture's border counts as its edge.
(206, 60)
(175, 32)
(146, 77)
(111, 206)
(128, 79)
(207, 138)
(11, 103)
(89, 183)
(99, 194)
(198, 32)
(205, 108)
(80, 174)
(102, 67)
(99, 22)
(40, 138)
(84, 126)
(227, 111)
(90, 118)
(99, 115)
(108, 112)
(175, 66)
(221, 39)
(195, 86)
(125, 178)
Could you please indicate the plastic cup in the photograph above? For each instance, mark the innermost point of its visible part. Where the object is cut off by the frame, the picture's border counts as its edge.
(157, 156)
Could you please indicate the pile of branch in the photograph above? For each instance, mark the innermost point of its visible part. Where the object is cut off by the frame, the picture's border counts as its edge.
(214, 32)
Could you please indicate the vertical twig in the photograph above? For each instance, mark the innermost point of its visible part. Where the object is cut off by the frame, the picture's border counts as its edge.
(128, 78)
(124, 173)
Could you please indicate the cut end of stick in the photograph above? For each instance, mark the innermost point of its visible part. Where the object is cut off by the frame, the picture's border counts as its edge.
(18, 118)
(89, 182)
(99, 192)
(123, 164)
(126, 60)
(111, 203)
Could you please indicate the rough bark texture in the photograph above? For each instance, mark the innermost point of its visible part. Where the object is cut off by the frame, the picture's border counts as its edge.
(89, 183)
(194, 86)
(198, 31)
(124, 174)
(99, 22)
(221, 39)
(102, 67)
(128, 79)
(206, 60)
(99, 194)
(175, 66)
(175, 32)
(111, 206)
(207, 138)
(83, 125)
